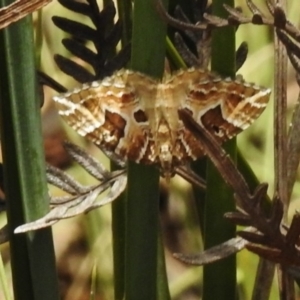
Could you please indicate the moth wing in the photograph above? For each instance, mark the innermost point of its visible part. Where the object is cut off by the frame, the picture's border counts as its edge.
(109, 113)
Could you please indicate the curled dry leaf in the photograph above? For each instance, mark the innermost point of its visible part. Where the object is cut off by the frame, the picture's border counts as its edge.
(80, 204)
(81, 199)
(213, 254)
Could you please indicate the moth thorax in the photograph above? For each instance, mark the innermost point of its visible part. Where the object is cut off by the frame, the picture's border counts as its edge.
(165, 154)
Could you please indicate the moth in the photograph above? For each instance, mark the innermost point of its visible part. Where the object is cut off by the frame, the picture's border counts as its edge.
(135, 117)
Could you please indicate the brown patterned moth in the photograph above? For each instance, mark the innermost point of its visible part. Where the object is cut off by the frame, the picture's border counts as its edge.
(135, 117)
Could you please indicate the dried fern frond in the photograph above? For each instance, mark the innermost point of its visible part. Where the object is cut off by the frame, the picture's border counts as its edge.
(265, 236)
(105, 36)
(200, 38)
(80, 199)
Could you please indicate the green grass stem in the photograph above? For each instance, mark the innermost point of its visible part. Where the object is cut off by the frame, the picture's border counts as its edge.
(32, 254)
(148, 54)
(4, 282)
(219, 279)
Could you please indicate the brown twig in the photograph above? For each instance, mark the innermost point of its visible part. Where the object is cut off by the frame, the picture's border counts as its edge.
(280, 136)
(18, 10)
(263, 280)
(246, 200)
(280, 130)
(277, 19)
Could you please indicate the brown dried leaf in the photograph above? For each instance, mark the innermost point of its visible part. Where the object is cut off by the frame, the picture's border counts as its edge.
(213, 254)
(79, 205)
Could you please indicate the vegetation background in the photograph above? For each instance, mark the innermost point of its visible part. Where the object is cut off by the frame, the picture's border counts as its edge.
(83, 245)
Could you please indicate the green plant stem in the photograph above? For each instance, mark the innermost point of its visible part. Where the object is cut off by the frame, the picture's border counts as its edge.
(125, 9)
(219, 198)
(4, 282)
(174, 55)
(118, 206)
(39, 38)
(141, 235)
(163, 292)
(118, 229)
(148, 53)
(32, 254)
(93, 290)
